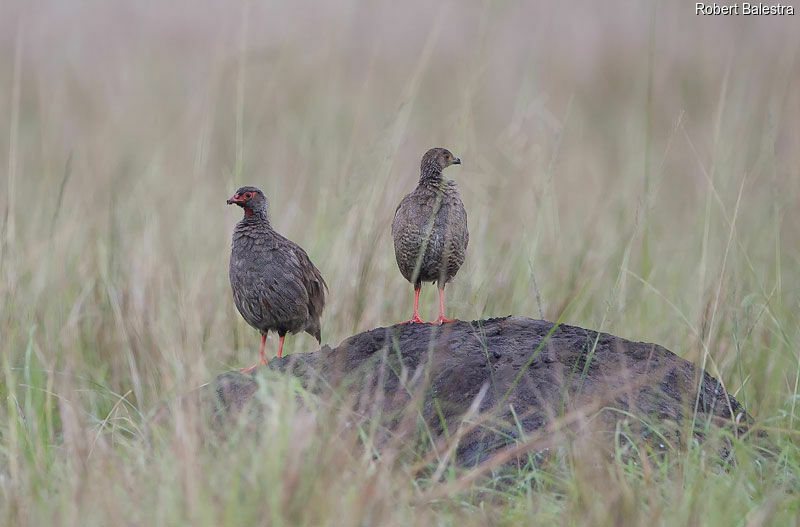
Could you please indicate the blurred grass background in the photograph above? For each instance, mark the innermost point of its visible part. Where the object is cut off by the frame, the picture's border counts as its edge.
(629, 162)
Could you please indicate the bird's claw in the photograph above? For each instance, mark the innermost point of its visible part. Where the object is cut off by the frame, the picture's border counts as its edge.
(250, 369)
(263, 362)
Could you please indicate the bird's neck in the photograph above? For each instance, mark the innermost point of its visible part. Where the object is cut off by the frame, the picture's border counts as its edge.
(255, 217)
(430, 174)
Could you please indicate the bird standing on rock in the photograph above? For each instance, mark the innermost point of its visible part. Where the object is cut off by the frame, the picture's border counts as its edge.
(430, 230)
(275, 285)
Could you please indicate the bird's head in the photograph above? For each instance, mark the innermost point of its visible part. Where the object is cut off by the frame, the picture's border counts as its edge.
(437, 159)
(251, 199)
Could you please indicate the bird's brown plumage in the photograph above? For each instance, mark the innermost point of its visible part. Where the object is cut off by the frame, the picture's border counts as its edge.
(275, 285)
(430, 229)
(430, 225)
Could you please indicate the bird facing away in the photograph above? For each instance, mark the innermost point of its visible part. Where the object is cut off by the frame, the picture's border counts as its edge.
(275, 285)
(430, 230)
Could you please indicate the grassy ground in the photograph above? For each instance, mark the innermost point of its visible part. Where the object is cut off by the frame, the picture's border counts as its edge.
(628, 166)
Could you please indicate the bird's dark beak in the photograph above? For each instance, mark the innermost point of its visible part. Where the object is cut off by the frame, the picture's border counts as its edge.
(457, 161)
(235, 199)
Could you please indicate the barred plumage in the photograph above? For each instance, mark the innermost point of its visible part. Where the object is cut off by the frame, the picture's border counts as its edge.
(430, 228)
(275, 285)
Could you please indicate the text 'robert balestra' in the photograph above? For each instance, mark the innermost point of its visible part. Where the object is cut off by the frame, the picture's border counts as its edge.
(743, 9)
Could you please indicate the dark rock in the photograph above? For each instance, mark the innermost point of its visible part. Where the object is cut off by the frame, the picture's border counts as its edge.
(523, 376)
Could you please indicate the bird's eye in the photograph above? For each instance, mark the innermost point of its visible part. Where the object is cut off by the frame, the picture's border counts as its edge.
(248, 195)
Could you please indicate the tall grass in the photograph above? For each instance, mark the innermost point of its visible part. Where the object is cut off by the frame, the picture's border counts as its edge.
(629, 167)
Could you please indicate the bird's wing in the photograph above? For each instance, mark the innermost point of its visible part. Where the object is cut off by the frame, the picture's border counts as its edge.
(413, 213)
(281, 289)
(459, 220)
(312, 281)
(454, 235)
(400, 214)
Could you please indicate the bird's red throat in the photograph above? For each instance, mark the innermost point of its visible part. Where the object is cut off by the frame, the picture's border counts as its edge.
(248, 212)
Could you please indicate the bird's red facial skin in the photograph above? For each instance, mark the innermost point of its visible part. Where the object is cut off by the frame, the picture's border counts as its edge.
(241, 198)
(248, 212)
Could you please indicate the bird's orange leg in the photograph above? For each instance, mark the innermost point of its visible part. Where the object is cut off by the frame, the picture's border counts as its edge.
(415, 319)
(280, 347)
(441, 319)
(263, 345)
(263, 356)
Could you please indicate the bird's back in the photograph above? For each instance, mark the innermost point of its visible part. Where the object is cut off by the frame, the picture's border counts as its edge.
(430, 233)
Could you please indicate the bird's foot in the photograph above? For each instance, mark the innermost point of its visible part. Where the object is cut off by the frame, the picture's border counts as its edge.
(414, 320)
(253, 367)
(441, 320)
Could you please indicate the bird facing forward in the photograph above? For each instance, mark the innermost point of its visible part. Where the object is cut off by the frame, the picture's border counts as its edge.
(430, 230)
(275, 285)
